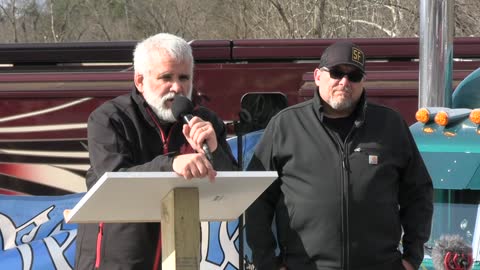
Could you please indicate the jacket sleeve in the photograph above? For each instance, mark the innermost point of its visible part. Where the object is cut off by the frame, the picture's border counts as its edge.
(416, 205)
(110, 150)
(259, 216)
(223, 159)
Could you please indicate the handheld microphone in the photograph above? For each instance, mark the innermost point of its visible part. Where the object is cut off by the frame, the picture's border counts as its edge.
(182, 109)
(452, 253)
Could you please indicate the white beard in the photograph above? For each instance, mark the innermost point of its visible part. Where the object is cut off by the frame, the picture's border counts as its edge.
(159, 107)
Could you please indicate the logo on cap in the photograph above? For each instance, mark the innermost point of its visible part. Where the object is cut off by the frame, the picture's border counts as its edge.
(357, 56)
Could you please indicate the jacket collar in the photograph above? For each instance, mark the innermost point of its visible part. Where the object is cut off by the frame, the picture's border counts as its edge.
(359, 111)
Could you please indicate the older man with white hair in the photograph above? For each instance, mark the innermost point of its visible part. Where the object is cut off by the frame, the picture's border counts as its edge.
(138, 132)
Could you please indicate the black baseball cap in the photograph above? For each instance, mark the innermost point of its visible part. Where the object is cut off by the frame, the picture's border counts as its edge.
(343, 52)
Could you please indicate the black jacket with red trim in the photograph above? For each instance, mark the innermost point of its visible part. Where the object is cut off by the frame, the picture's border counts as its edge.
(124, 134)
(340, 204)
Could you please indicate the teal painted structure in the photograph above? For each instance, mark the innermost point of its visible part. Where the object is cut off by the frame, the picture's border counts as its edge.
(452, 156)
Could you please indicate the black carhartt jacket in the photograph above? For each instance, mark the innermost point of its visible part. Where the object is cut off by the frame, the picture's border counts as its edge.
(124, 134)
(340, 204)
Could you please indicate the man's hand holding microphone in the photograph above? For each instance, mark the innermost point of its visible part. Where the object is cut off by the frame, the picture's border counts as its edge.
(201, 136)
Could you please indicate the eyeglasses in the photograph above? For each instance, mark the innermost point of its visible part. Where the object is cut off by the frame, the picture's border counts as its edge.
(354, 76)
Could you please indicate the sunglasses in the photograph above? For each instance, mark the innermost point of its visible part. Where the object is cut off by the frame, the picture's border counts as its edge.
(354, 76)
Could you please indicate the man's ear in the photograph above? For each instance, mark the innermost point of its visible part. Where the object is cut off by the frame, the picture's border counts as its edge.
(316, 75)
(138, 79)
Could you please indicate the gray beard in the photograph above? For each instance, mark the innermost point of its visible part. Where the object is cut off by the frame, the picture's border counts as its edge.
(340, 105)
(158, 106)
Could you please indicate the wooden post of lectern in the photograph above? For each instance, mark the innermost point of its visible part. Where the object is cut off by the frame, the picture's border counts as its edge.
(181, 230)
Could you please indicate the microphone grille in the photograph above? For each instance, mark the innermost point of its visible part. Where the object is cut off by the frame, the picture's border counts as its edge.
(181, 106)
(447, 245)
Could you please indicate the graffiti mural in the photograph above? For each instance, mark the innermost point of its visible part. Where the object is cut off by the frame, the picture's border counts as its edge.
(34, 236)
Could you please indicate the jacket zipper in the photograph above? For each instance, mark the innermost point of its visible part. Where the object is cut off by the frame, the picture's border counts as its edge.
(345, 210)
(367, 151)
(343, 203)
(344, 195)
(345, 261)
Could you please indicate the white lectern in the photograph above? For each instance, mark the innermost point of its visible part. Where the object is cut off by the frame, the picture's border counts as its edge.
(178, 203)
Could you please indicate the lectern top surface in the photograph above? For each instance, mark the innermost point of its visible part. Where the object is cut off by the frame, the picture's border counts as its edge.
(136, 196)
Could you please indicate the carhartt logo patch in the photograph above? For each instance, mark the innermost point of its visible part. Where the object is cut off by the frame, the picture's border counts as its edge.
(373, 159)
(357, 56)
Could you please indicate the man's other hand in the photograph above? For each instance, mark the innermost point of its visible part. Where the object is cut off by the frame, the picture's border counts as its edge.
(194, 166)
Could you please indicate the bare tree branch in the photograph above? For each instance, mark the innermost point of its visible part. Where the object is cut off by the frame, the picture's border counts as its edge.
(281, 12)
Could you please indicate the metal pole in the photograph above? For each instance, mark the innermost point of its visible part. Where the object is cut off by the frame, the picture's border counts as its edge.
(436, 53)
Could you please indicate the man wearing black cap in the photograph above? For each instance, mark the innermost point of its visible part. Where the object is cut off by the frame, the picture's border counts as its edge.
(353, 191)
